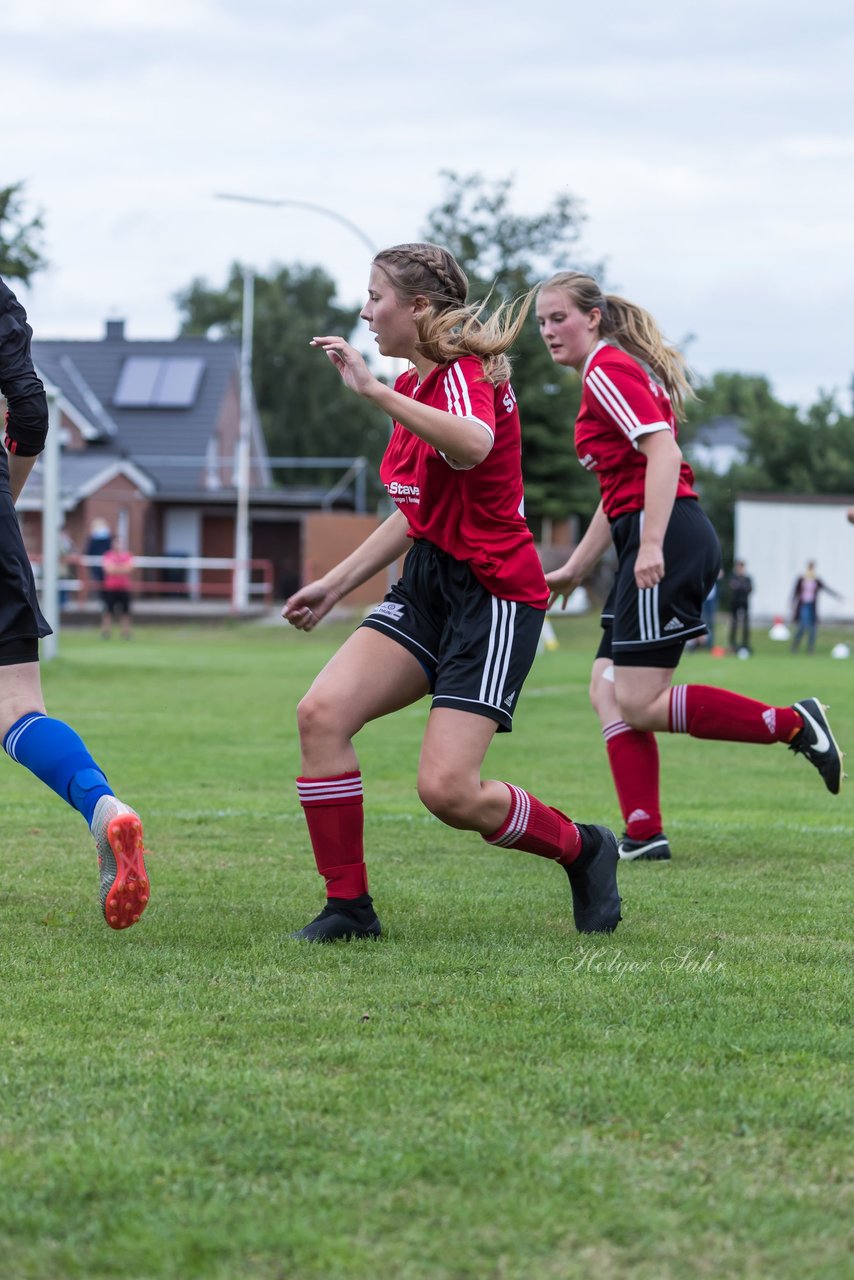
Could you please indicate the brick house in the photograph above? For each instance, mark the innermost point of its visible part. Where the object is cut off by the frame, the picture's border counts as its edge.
(149, 431)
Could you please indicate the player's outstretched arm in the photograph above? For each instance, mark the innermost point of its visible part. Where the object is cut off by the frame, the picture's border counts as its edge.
(597, 538)
(388, 543)
(465, 440)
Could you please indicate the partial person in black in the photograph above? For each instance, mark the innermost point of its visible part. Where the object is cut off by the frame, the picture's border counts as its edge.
(740, 587)
(49, 748)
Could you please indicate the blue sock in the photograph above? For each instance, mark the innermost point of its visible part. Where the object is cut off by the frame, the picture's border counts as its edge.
(58, 756)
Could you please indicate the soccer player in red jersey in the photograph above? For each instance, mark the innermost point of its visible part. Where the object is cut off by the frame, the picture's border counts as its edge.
(669, 557)
(464, 620)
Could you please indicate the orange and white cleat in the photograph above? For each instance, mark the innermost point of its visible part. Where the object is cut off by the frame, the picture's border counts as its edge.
(125, 889)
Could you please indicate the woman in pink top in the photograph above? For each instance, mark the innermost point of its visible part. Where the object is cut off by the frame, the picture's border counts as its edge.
(117, 564)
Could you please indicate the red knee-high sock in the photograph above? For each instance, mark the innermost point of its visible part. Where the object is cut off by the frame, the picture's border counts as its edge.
(705, 712)
(633, 757)
(536, 828)
(334, 812)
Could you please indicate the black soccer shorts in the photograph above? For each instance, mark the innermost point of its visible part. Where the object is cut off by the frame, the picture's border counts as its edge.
(475, 648)
(649, 626)
(21, 621)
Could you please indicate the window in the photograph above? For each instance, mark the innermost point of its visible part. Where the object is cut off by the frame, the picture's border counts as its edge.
(154, 382)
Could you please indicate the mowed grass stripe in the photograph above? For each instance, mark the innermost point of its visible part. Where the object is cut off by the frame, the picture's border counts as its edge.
(483, 1093)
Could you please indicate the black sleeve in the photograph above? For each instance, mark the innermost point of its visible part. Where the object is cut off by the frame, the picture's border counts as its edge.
(26, 414)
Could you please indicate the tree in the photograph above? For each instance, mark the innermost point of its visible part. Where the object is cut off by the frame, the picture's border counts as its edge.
(20, 248)
(505, 254)
(304, 408)
(788, 451)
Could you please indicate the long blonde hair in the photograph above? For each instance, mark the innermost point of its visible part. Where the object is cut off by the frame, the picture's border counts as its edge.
(451, 327)
(631, 328)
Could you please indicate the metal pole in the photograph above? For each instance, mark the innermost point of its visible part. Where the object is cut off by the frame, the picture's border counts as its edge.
(240, 586)
(304, 204)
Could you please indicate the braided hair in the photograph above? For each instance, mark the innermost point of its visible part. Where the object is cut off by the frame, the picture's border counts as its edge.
(632, 329)
(450, 327)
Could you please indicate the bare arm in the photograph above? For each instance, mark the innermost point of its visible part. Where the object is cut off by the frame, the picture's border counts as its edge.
(464, 440)
(588, 553)
(19, 471)
(380, 549)
(663, 461)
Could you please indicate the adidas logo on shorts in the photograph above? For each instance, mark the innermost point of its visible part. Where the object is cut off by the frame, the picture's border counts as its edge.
(674, 625)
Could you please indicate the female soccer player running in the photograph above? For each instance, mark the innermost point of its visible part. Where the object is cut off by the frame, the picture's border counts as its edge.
(463, 621)
(668, 556)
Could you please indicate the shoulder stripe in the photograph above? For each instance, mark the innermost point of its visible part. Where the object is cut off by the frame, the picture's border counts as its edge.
(457, 391)
(613, 400)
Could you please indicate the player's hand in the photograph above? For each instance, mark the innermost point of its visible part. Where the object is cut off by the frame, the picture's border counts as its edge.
(649, 566)
(349, 362)
(561, 584)
(306, 607)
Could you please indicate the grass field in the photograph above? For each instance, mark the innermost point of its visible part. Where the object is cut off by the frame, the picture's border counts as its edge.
(483, 1093)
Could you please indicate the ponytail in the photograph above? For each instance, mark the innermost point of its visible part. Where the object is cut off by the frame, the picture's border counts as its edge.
(632, 329)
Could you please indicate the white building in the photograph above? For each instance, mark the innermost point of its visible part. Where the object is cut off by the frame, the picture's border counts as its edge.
(776, 534)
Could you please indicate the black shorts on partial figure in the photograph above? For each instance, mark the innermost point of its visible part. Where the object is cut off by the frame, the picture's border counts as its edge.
(475, 648)
(21, 621)
(116, 603)
(649, 627)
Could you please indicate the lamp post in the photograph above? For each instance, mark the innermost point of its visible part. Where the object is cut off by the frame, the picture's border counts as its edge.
(304, 204)
(240, 590)
(240, 581)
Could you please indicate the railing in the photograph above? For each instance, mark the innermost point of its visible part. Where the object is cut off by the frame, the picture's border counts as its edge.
(187, 577)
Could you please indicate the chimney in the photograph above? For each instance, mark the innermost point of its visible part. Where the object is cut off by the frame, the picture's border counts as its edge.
(115, 331)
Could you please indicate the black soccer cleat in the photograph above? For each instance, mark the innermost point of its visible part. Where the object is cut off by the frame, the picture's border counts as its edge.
(342, 920)
(593, 881)
(817, 743)
(650, 849)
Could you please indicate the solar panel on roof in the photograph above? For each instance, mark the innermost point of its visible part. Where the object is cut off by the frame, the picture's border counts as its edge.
(153, 382)
(179, 381)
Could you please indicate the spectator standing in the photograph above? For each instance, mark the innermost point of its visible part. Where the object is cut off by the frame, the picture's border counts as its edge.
(100, 540)
(740, 586)
(805, 606)
(117, 565)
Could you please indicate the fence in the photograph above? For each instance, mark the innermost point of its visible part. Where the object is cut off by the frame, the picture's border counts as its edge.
(191, 578)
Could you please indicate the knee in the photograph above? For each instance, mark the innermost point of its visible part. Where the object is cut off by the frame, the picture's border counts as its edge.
(317, 716)
(447, 799)
(637, 713)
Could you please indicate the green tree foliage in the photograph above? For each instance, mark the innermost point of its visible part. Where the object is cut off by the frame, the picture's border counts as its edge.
(305, 410)
(506, 254)
(788, 450)
(20, 238)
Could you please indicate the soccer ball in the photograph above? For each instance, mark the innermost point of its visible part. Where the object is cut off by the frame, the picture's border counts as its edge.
(840, 651)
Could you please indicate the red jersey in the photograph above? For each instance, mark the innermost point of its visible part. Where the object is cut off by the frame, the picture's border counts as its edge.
(117, 570)
(620, 402)
(476, 514)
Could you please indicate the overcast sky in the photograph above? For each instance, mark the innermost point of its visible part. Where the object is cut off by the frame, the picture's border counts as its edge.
(712, 149)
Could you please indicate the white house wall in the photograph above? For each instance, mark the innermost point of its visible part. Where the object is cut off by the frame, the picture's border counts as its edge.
(776, 539)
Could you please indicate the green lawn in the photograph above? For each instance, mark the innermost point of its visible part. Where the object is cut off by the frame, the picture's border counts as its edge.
(483, 1093)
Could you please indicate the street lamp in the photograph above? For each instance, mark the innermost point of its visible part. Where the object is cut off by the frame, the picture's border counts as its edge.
(240, 581)
(305, 204)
